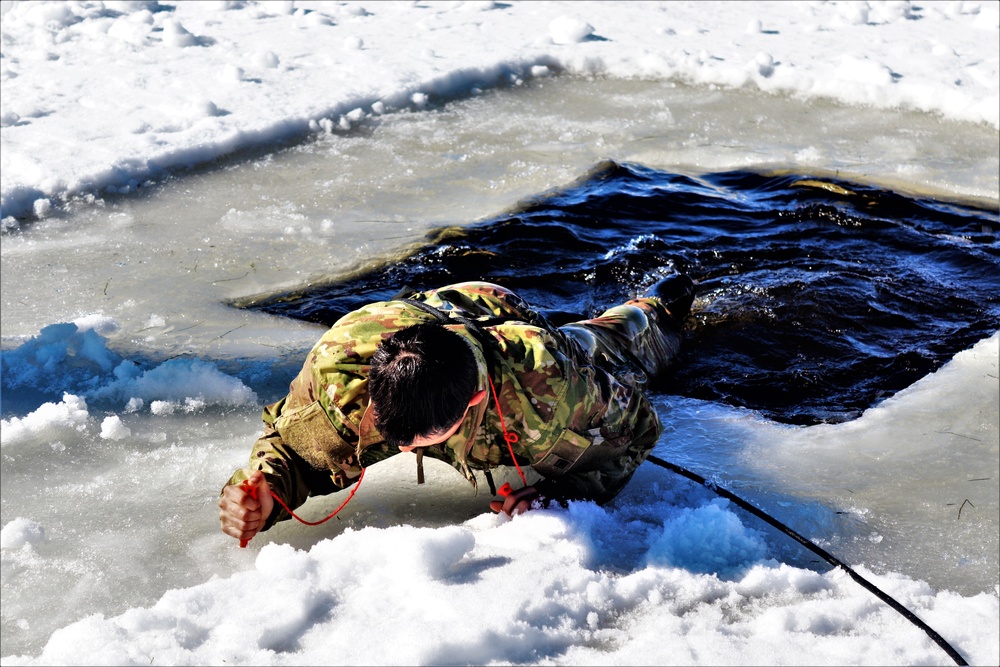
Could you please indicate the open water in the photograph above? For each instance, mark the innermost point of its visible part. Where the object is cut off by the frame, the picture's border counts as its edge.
(815, 298)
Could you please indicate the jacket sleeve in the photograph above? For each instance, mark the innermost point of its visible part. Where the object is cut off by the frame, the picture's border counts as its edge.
(481, 299)
(290, 477)
(611, 431)
(301, 452)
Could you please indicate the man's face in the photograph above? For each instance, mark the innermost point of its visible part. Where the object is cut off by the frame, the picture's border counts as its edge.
(433, 438)
(441, 436)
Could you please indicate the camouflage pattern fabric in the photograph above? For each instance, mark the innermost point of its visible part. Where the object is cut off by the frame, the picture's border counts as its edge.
(574, 396)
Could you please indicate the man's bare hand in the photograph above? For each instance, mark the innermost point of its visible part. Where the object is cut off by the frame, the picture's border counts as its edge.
(240, 514)
(517, 502)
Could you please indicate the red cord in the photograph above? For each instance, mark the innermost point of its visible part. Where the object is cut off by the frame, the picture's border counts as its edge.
(509, 438)
(252, 490)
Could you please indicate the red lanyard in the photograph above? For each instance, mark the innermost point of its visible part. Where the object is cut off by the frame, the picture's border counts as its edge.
(509, 438)
(252, 490)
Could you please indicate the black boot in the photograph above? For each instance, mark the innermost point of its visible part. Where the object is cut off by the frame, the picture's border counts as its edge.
(676, 292)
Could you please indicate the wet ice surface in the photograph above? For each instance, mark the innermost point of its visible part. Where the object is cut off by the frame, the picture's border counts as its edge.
(109, 525)
(333, 205)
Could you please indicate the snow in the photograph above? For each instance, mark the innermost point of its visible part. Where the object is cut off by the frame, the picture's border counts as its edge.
(83, 360)
(136, 393)
(270, 72)
(48, 419)
(569, 30)
(21, 533)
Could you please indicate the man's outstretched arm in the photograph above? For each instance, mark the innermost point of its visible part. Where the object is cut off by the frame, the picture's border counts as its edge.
(284, 472)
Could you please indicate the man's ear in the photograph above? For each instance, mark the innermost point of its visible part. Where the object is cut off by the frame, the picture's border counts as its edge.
(477, 398)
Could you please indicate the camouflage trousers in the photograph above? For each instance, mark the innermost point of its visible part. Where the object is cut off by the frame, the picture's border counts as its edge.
(635, 341)
(638, 338)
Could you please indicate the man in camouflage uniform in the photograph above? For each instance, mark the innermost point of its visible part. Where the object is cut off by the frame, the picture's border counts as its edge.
(573, 395)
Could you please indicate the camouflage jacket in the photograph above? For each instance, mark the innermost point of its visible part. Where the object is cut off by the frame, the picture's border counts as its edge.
(582, 429)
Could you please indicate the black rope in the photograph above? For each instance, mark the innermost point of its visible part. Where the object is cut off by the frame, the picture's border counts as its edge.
(822, 553)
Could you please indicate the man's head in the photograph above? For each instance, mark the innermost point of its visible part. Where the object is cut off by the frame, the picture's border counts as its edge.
(422, 380)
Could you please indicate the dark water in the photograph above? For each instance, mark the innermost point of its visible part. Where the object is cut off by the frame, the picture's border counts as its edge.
(814, 303)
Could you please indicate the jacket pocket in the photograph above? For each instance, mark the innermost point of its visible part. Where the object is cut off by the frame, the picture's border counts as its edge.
(567, 450)
(309, 431)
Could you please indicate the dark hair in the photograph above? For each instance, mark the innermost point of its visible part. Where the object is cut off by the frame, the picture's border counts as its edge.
(421, 380)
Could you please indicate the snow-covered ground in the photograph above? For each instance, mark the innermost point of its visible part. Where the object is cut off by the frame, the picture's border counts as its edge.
(105, 95)
(131, 391)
